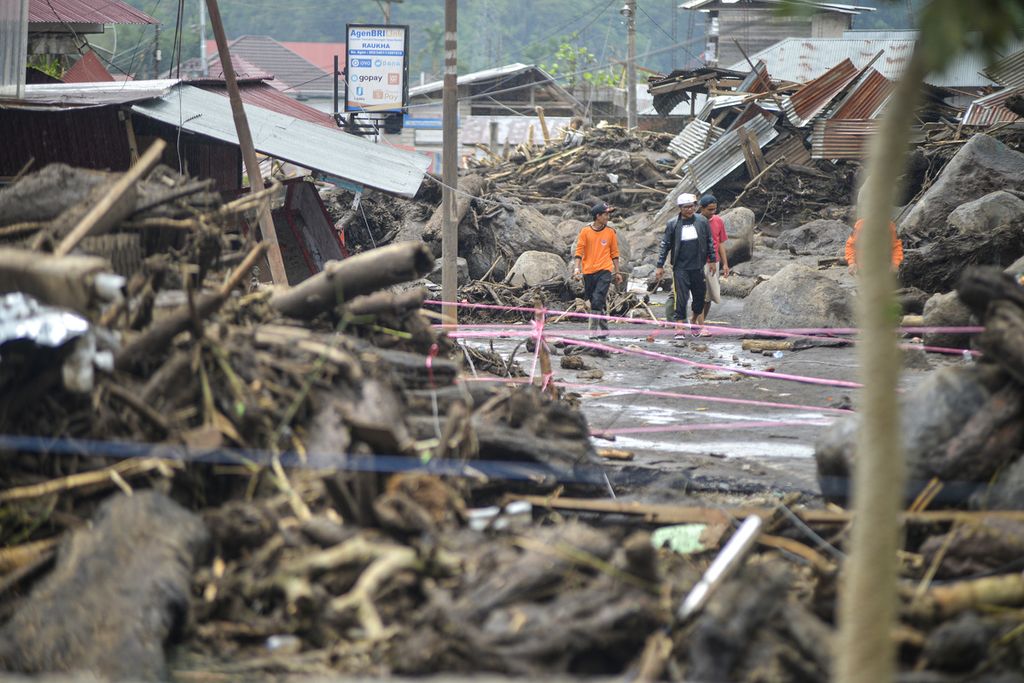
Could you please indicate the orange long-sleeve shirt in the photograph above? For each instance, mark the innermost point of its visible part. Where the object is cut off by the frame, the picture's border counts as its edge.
(597, 249)
(851, 244)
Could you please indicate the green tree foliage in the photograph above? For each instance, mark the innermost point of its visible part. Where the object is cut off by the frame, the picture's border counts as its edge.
(574, 64)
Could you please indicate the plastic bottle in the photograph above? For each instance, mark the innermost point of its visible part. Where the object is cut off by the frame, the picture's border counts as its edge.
(967, 356)
(777, 354)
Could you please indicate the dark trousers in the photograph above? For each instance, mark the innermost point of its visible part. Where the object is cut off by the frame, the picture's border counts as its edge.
(595, 289)
(684, 284)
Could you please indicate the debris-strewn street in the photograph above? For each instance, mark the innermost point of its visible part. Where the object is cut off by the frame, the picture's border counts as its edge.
(245, 438)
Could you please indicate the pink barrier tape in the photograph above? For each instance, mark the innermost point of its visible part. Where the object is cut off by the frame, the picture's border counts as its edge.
(715, 329)
(709, 426)
(709, 366)
(666, 394)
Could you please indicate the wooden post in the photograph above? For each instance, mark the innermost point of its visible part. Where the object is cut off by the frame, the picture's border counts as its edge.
(449, 162)
(543, 125)
(252, 166)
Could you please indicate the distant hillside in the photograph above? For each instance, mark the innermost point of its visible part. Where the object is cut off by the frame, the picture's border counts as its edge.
(491, 32)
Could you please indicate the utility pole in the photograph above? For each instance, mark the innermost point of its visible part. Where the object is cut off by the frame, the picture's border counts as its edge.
(156, 53)
(629, 11)
(202, 40)
(252, 166)
(449, 161)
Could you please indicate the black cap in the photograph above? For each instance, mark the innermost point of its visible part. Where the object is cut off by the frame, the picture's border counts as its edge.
(708, 199)
(600, 207)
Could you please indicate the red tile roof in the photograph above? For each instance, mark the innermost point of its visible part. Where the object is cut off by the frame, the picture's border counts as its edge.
(317, 54)
(88, 69)
(85, 12)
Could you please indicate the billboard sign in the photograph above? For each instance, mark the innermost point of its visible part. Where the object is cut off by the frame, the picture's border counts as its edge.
(377, 67)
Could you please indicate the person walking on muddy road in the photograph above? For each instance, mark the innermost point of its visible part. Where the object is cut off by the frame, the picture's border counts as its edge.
(597, 261)
(713, 294)
(688, 239)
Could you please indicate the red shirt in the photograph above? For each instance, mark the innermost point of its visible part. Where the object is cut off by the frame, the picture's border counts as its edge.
(717, 232)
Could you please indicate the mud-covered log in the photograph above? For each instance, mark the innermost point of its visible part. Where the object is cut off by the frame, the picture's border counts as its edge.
(364, 273)
(120, 590)
(66, 282)
(394, 303)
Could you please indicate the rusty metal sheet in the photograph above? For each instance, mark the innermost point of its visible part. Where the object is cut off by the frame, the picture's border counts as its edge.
(865, 101)
(792, 148)
(802, 106)
(694, 138)
(989, 110)
(757, 81)
(85, 12)
(842, 138)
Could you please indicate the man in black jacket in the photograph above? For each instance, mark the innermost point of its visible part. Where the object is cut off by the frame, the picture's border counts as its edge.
(688, 238)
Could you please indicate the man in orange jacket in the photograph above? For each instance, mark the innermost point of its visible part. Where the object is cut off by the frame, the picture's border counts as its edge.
(851, 247)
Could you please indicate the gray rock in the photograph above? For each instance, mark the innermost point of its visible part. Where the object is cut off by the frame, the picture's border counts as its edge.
(738, 286)
(739, 226)
(534, 268)
(643, 272)
(798, 296)
(1006, 492)
(120, 590)
(982, 165)
(930, 416)
(1015, 268)
(461, 268)
(817, 237)
(992, 210)
(946, 310)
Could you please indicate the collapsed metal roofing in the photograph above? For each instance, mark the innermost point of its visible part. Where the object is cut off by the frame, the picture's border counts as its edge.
(56, 96)
(989, 110)
(287, 138)
(813, 98)
(1008, 71)
(709, 167)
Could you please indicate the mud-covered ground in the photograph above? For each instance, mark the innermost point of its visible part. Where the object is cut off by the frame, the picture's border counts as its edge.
(689, 445)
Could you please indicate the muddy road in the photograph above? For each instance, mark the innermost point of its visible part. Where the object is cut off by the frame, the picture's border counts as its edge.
(695, 442)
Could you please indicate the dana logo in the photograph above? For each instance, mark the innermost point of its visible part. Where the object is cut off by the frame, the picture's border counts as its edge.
(361, 63)
(376, 63)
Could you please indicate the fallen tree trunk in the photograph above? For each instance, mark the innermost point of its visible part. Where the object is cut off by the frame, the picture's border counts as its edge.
(66, 282)
(361, 274)
(470, 187)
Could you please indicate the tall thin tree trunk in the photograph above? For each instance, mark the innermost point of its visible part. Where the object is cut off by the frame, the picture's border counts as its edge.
(868, 598)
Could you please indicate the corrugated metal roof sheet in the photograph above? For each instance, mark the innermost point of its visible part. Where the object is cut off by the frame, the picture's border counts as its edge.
(804, 59)
(989, 110)
(1008, 71)
(287, 138)
(866, 98)
(842, 138)
(85, 12)
(792, 148)
(694, 138)
(705, 5)
(802, 106)
(67, 95)
(757, 81)
(507, 70)
(88, 69)
(706, 169)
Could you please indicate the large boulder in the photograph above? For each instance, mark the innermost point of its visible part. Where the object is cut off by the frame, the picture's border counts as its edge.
(982, 165)
(946, 310)
(535, 268)
(507, 232)
(798, 296)
(931, 415)
(817, 237)
(461, 270)
(982, 215)
(739, 226)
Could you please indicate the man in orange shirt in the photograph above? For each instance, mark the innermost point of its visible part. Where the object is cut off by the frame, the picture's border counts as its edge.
(597, 260)
(851, 247)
